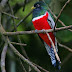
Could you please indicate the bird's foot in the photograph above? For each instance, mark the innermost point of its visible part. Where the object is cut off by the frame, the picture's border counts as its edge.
(43, 31)
(36, 30)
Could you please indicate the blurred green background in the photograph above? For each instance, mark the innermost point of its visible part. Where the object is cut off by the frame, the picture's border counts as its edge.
(35, 49)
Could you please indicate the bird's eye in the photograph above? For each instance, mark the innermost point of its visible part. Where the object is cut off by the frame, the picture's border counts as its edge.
(38, 5)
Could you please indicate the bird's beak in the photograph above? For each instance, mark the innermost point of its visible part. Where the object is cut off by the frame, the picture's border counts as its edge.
(33, 7)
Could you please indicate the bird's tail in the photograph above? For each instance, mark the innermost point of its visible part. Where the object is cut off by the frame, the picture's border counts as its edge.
(51, 53)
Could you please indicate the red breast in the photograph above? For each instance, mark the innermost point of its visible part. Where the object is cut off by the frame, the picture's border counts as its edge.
(42, 23)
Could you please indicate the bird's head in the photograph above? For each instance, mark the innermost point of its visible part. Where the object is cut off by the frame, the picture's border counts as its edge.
(39, 5)
(39, 8)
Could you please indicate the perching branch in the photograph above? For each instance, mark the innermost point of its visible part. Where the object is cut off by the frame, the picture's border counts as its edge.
(3, 56)
(53, 47)
(36, 31)
(22, 65)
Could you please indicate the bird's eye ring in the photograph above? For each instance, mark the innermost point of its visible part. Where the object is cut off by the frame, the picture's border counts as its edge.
(38, 5)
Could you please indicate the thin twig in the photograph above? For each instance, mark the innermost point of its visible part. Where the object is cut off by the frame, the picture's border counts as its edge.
(19, 40)
(58, 19)
(64, 46)
(3, 56)
(53, 47)
(5, 38)
(36, 31)
(19, 44)
(17, 35)
(22, 20)
(61, 11)
(10, 15)
(63, 24)
(23, 50)
(22, 57)
(40, 67)
(22, 65)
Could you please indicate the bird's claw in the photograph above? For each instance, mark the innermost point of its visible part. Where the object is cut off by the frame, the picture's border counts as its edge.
(36, 30)
(43, 31)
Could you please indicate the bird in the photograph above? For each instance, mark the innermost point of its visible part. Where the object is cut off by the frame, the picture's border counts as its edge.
(42, 19)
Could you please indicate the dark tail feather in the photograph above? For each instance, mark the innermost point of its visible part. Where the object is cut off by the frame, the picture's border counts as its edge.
(51, 53)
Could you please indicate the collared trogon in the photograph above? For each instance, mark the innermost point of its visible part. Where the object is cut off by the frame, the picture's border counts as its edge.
(42, 19)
